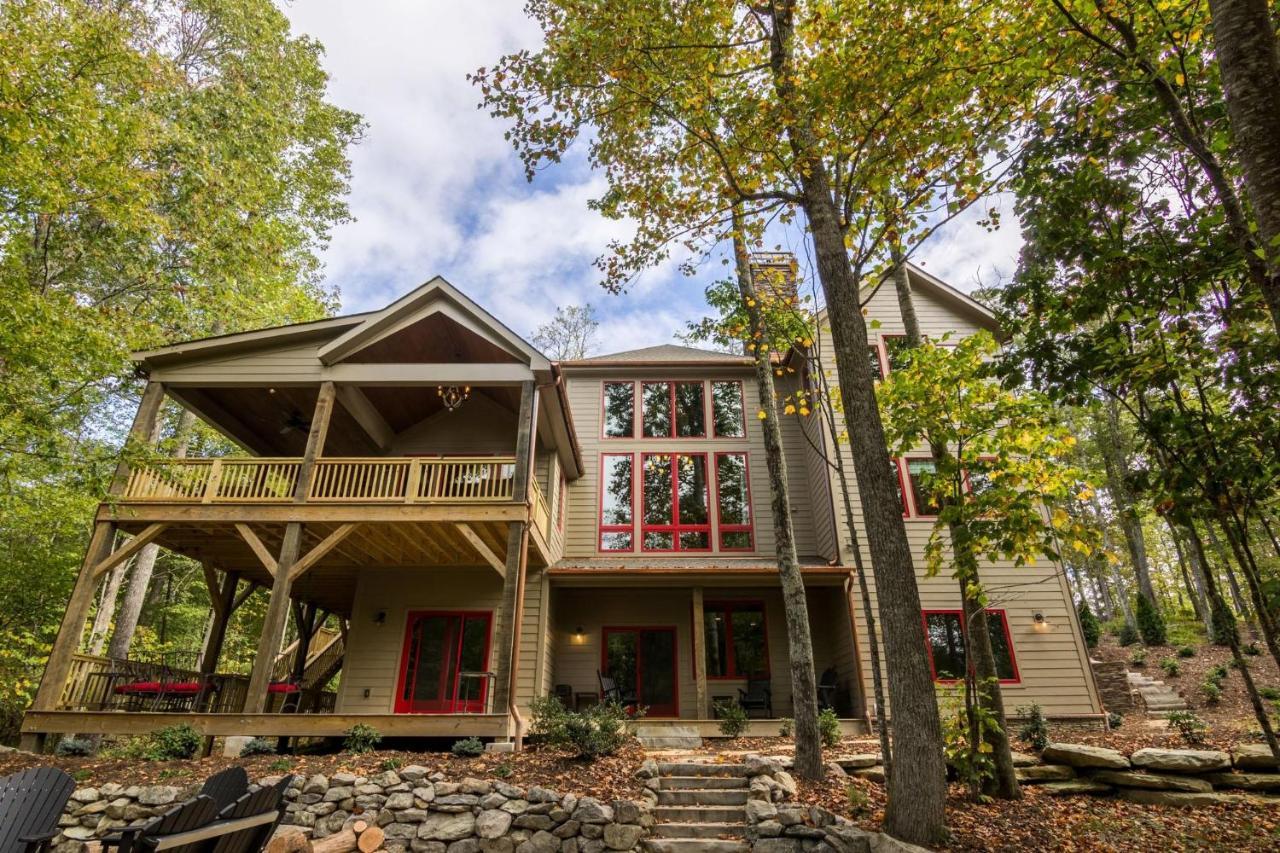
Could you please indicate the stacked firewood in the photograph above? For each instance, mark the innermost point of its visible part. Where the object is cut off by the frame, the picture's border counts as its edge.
(357, 836)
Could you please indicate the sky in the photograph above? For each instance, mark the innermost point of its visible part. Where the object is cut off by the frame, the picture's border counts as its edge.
(437, 190)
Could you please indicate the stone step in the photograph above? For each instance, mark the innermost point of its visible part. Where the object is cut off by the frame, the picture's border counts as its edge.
(696, 845)
(702, 783)
(699, 830)
(701, 769)
(700, 814)
(670, 742)
(693, 797)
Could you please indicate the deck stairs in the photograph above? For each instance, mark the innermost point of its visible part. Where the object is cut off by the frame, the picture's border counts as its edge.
(702, 808)
(324, 659)
(1158, 697)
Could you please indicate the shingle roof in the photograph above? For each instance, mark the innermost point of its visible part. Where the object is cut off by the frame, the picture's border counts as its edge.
(664, 353)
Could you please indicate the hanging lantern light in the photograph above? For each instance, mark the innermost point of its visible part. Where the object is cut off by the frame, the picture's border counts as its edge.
(453, 396)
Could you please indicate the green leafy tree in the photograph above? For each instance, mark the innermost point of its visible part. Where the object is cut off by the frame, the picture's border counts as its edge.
(1150, 622)
(1089, 626)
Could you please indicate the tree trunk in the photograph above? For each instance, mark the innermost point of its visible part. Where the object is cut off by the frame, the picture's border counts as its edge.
(1116, 460)
(1262, 616)
(804, 685)
(1244, 41)
(915, 810)
(144, 564)
(1193, 577)
(106, 608)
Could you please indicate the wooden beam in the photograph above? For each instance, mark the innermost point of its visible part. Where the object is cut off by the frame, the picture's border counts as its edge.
(315, 440)
(475, 375)
(310, 513)
(699, 653)
(367, 415)
(484, 550)
(133, 546)
(255, 545)
(269, 725)
(326, 545)
(273, 623)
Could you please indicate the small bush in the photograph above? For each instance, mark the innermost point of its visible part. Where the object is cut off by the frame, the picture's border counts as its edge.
(829, 728)
(1115, 719)
(1251, 650)
(258, 746)
(74, 747)
(280, 765)
(1271, 694)
(1138, 657)
(859, 803)
(174, 743)
(361, 739)
(1217, 674)
(733, 718)
(1171, 667)
(1189, 726)
(1128, 635)
(503, 771)
(1035, 730)
(1211, 693)
(468, 747)
(1089, 625)
(391, 764)
(786, 727)
(1150, 623)
(599, 730)
(1187, 652)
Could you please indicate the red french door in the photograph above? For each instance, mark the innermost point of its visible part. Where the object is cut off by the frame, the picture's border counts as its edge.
(642, 662)
(439, 647)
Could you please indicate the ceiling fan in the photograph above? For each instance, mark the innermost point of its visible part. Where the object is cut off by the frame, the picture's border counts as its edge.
(295, 421)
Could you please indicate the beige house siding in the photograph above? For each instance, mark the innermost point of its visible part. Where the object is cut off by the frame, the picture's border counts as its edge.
(282, 365)
(480, 426)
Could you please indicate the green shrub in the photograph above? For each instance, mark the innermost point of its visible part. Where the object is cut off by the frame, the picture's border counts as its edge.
(504, 771)
(856, 798)
(975, 768)
(1035, 730)
(1138, 657)
(468, 747)
(1171, 667)
(1089, 625)
(1150, 622)
(1189, 726)
(732, 716)
(1187, 652)
(1217, 674)
(829, 728)
(1128, 635)
(174, 743)
(280, 765)
(1115, 719)
(74, 747)
(258, 746)
(599, 730)
(390, 764)
(361, 739)
(1251, 650)
(1211, 692)
(1271, 694)
(786, 727)
(1222, 626)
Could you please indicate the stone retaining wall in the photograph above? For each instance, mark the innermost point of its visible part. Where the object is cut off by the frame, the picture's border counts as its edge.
(1113, 685)
(418, 810)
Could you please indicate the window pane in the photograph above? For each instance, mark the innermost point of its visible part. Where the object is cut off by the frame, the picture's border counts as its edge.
(695, 541)
(693, 489)
(717, 643)
(731, 485)
(979, 481)
(1000, 645)
(873, 354)
(656, 541)
(946, 644)
(657, 489)
(923, 475)
(656, 397)
(750, 656)
(739, 540)
(619, 409)
(726, 402)
(896, 348)
(615, 541)
(616, 502)
(691, 417)
(897, 484)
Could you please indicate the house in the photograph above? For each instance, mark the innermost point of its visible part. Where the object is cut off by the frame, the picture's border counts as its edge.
(488, 527)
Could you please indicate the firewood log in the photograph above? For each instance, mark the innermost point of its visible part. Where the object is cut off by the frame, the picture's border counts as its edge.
(371, 839)
(288, 839)
(343, 841)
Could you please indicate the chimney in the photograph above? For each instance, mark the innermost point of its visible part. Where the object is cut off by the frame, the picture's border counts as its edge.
(774, 274)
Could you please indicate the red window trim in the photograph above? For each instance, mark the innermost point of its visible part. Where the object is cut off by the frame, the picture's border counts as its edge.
(635, 409)
(561, 485)
(398, 704)
(902, 485)
(709, 393)
(883, 344)
(675, 528)
(991, 611)
(728, 605)
(671, 396)
(675, 659)
(968, 486)
(721, 527)
(881, 358)
(906, 474)
(603, 528)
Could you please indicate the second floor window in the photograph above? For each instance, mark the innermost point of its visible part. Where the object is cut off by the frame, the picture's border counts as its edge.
(616, 520)
(673, 410)
(675, 515)
(921, 473)
(619, 409)
(734, 502)
(727, 413)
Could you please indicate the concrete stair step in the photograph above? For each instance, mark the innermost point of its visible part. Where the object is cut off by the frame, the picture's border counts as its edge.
(702, 783)
(699, 830)
(696, 845)
(694, 797)
(700, 814)
(701, 769)
(670, 742)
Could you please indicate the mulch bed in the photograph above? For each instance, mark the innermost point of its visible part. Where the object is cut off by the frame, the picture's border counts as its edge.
(606, 779)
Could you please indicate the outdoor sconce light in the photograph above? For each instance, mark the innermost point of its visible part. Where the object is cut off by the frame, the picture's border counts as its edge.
(1040, 623)
(579, 636)
(380, 618)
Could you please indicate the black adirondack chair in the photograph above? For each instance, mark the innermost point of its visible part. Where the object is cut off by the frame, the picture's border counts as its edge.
(257, 814)
(31, 801)
(757, 696)
(828, 687)
(226, 787)
(611, 692)
(178, 830)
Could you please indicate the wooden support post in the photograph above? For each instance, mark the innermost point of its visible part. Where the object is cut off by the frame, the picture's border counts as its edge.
(700, 654)
(223, 599)
(507, 646)
(273, 623)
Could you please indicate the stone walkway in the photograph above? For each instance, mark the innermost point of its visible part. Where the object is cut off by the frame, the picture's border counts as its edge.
(1158, 697)
(702, 808)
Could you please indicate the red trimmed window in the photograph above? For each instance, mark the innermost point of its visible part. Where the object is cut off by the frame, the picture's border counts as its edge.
(737, 642)
(674, 514)
(619, 410)
(728, 410)
(617, 521)
(920, 473)
(733, 495)
(877, 364)
(439, 647)
(945, 640)
(896, 464)
(895, 349)
(673, 409)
